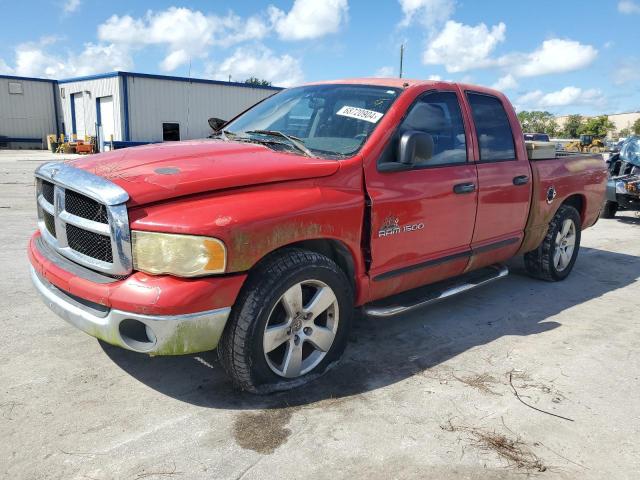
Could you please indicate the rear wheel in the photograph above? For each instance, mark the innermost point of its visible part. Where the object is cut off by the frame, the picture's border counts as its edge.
(553, 260)
(609, 209)
(290, 323)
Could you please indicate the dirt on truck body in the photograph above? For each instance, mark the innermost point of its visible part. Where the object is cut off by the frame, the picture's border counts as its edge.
(261, 241)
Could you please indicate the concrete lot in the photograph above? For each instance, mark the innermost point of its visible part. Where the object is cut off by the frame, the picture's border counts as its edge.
(427, 395)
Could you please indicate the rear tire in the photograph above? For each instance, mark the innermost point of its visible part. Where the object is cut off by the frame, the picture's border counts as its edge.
(290, 323)
(609, 209)
(553, 260)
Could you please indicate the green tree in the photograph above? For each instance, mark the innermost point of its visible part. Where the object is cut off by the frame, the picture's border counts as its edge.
(572, 126)
(538, 122)
(258, 81)
(636, 127)
(625, 132)
(597, 126)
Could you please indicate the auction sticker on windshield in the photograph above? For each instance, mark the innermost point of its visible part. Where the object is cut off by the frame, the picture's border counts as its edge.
(360, 114)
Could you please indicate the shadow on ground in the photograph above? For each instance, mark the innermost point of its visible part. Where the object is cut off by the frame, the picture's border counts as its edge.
(383, 352)
(635, 220)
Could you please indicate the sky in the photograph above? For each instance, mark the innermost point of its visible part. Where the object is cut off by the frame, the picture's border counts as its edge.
(563, 56)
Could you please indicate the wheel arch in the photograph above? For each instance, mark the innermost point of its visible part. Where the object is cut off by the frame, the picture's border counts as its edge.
(577, 201)
(333, 249)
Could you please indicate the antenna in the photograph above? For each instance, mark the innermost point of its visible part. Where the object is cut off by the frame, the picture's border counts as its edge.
(401, 57)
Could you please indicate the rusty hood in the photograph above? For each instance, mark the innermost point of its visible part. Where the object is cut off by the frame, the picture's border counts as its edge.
(153, 173)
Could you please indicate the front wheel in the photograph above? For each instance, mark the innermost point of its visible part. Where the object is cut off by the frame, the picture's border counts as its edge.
(290, 323)
(553, 260)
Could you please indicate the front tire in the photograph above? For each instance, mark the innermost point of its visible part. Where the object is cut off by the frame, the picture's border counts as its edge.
(553, 260)
(289, 324)
(609, 209)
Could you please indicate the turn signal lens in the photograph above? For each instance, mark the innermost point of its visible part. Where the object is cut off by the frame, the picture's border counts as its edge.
(175, 254)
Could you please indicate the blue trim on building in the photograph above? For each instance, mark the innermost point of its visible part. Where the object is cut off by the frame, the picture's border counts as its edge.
(89, 77)
(125, 101)
(19, 140)
(116, 145)
(54, 87)
(98, 112)
(31, 79)
(73, 114)
(98, 120)
(166, 77)
(199, 80)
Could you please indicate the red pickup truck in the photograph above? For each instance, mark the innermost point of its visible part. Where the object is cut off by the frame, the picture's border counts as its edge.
(260, 241)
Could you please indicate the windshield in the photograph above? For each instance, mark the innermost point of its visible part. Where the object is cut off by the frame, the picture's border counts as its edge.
(328, 120)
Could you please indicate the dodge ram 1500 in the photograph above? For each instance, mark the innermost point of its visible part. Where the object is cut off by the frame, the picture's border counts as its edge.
(381, 194)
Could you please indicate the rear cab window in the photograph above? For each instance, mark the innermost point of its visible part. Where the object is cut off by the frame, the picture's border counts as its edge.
(495, 137)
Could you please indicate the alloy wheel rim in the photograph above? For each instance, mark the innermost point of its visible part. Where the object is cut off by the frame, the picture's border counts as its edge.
(565, 244)
(301, 328)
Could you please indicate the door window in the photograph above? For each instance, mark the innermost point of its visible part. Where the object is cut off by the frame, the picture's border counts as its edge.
(170, 132)
(495, 137)
(439, 115)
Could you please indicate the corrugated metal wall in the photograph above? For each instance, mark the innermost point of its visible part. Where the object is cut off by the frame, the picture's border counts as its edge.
(154, 101)
(101, 87)
(29, 114)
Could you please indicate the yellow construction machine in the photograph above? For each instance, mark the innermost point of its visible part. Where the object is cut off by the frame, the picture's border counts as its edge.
(587, 143)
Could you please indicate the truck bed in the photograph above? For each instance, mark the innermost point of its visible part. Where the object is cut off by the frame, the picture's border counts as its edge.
(581, 178)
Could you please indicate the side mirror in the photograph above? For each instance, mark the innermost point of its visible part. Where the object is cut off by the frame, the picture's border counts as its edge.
(415, 147)
(216, 124)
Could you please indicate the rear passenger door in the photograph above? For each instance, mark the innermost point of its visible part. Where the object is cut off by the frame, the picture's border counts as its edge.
(504, 183)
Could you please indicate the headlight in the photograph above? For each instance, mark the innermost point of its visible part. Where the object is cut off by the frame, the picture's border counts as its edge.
(180, 255)
(620, 187)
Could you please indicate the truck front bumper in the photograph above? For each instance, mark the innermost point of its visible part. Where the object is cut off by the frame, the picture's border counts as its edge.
(152, 334)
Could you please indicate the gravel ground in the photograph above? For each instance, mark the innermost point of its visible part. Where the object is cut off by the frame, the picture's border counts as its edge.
(425, 395)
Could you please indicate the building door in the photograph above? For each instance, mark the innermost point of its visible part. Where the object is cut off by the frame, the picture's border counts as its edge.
(78, 115)
(106, 120)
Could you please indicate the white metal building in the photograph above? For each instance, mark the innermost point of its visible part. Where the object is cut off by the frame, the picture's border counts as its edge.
(28, 111)
(137, 107)
(125, 107)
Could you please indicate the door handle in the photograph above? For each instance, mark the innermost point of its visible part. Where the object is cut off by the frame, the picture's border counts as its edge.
(464, 188)
(520, 180)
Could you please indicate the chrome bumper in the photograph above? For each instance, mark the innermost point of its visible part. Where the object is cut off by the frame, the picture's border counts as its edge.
(155, 335)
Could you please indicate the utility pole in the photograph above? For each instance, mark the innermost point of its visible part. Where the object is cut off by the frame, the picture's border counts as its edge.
(401, 57)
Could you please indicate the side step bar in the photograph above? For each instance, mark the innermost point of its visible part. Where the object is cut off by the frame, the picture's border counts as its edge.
(422, 296)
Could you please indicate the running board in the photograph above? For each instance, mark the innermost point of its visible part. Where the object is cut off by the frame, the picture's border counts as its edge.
(429, 294)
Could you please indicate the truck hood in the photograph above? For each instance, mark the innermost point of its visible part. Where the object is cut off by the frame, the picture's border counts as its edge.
(152, 173)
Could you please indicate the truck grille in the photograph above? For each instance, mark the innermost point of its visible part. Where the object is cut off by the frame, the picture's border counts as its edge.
(85, 207)
(89, 243)
(47, 191)
(49, 223)
(84, 218)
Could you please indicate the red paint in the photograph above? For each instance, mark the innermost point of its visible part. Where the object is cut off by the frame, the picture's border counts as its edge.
(257, 200)
(204, 166)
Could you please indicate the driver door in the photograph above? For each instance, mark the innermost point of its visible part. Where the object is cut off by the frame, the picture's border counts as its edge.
(422, 219)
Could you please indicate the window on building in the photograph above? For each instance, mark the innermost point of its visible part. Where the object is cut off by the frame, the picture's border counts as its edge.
(170, 132)
(492, 127)
(15, 88)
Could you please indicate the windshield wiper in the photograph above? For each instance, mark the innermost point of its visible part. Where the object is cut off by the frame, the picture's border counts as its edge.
(295, 141)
